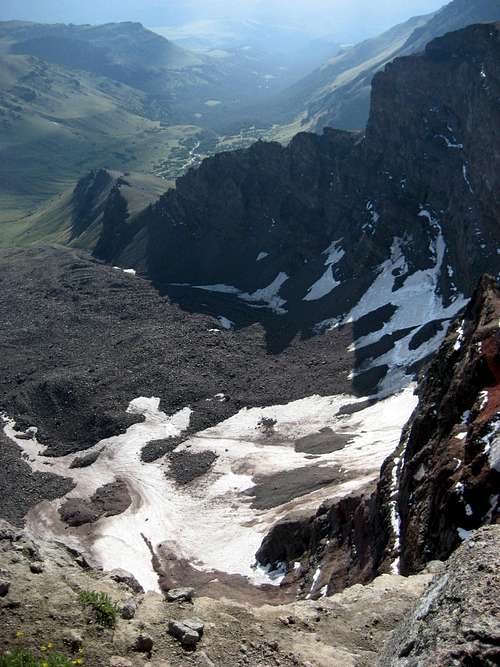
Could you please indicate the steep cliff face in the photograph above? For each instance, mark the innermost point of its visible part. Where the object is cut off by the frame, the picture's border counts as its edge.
(449, 472)
(388, 232)
(442, 482)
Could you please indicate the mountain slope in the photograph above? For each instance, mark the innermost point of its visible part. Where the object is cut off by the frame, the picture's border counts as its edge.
(58, 123)
(389, 232)
(338, 94)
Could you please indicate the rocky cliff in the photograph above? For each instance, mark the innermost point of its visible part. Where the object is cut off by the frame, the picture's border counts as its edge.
(456, 621)
(449, 465)
(340, 94)
(387, 232)
(440, 484)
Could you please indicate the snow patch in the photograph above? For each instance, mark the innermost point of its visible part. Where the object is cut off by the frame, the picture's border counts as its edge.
(417, 301)
(327, 283)
(225, 322)
(464, 534)
(466, 177)
(211, 522)
(267, 295)
(460, 336)
(261, 256)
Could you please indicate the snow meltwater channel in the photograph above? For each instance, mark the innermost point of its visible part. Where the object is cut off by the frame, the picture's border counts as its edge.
(214, 522)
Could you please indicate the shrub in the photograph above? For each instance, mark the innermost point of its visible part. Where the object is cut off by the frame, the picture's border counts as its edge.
(105, 609)
(23, 658)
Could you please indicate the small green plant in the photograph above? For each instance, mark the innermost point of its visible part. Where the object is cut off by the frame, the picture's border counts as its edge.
(104, 608)
(23, 658)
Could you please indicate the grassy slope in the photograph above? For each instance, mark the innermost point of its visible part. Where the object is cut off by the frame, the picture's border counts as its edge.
(51, 223)
(57, 124)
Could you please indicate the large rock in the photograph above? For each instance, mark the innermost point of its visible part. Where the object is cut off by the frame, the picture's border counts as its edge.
(109, 500)
(129, 609)
(127, 579)
(456, 622)
(189, 631)
(4, 587)
(180, 594)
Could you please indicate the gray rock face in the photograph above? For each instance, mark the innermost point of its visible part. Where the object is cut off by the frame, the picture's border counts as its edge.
(457, 621)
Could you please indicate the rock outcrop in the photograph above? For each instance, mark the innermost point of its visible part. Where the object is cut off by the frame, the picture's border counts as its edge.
(456, 621)
(449, 467)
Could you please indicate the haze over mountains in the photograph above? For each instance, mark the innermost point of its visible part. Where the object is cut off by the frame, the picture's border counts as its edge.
(345, 21)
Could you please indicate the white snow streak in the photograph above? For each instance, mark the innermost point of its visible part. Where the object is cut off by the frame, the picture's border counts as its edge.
(327, 283)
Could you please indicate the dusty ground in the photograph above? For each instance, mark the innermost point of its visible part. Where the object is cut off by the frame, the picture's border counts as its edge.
(342, 631)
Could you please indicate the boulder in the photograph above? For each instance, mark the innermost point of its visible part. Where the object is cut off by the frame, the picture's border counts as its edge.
(126, 578)
(129, 609)
(4, 587)
(188, 632)
(195, 624)
(180, 594)
(36, 568)
(143, 643)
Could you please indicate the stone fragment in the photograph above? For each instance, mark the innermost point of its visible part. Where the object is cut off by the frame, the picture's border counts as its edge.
(36, 568)
(188, 632)
(143, 643)
(180, 594)
(129, 609)
(128, 579)
(73, 640)
(4, 587)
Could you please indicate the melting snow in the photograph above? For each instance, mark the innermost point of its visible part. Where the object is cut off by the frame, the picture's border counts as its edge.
(460, 337)
(261, 256)
(316, 576)
(491, 443)
(327, 282)
(417, 302)
(466, 177)
(211, 522)
(225, 322)
(464, 534)
(268, 295)
(450, 144)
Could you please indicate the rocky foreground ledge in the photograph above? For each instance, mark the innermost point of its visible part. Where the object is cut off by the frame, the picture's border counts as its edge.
(449, 616)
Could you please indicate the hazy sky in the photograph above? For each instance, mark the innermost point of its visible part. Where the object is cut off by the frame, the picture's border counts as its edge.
(347, 19)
